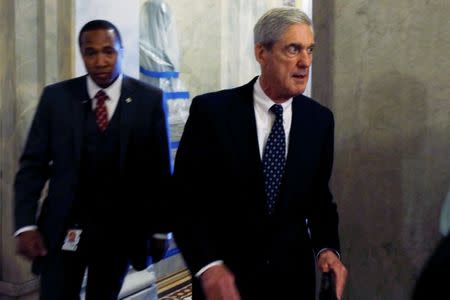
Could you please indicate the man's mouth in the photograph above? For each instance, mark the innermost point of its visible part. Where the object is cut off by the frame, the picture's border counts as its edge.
(300, 74)
(102, 75)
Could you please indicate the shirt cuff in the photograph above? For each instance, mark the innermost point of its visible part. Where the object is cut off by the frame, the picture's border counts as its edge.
(25, 228)
(324, 249)
(163, 236)
(212, 264)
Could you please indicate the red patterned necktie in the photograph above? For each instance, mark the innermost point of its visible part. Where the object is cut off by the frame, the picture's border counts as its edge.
(101, 114)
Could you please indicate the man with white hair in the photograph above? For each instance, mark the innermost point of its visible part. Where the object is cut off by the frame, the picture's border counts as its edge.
(255, 162)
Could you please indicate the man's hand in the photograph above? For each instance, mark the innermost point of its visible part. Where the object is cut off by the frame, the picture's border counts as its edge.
(328, 261)
(218, 284)
(30, 244)
(158, 249)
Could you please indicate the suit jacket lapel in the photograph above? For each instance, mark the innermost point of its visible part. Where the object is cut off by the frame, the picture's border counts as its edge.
(79, 102)
(243, 127)
(245, 149)
(127, 111)
(298, 158)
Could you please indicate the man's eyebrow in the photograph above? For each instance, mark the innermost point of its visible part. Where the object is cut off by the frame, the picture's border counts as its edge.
(296, 45)
(300, 46)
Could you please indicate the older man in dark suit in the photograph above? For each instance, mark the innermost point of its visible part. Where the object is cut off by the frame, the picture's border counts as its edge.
(101, 141)
(252, 170)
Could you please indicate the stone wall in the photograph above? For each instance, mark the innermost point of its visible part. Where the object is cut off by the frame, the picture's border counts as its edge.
(383, 67)
(35, 42)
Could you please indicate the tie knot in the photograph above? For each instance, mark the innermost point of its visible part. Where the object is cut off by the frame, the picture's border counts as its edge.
(277, 109)
(101, 96)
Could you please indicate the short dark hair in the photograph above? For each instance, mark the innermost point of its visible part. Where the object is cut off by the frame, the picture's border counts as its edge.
(99, 24)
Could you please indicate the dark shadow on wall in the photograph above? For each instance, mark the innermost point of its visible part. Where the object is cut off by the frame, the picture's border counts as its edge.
(387, 217)
(392, 159)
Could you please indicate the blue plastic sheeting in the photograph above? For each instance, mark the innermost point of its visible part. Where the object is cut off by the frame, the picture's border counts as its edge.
(163, 74)
(176, 95)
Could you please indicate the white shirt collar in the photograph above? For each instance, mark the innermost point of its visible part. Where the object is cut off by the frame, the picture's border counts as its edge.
(113, 91)
(264, 118)
(263, 101)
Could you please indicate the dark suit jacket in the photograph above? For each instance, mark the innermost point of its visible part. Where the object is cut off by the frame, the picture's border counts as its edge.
(218, 172)
(433, 280)
(53, 149)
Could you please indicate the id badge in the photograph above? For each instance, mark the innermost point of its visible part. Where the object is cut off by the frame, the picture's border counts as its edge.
(72, 239)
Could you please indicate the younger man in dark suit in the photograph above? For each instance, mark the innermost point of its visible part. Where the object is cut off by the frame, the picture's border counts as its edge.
(101, 141)
(252, 170)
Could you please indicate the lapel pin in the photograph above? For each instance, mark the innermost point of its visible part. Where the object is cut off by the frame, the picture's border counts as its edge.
(128, 100)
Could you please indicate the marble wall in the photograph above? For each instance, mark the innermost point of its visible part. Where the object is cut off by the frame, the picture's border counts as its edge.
(383, 67)
(35, 39)
(216, 47)
(7, 122)
(216, 41)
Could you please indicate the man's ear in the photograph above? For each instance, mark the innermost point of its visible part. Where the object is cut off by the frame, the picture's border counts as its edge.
(260, 53)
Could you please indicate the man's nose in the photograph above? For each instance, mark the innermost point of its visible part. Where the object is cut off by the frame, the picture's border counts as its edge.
(304, 59)
(101, 61)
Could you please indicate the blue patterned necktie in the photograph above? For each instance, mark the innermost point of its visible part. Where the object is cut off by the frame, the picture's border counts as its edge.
(274, 158)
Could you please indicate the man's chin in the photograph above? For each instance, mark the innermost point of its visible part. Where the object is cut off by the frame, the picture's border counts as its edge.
(298, 86)
(102, 82)
(298, 90)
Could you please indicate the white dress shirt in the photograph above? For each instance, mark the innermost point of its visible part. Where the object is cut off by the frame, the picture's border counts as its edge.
(265, 118)
(113, 91)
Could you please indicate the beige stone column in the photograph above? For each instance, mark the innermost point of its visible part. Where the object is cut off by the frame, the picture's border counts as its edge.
(383, 67)
(37, 49)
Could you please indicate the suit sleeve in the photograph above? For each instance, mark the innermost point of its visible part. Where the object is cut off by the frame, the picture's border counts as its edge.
(193, 183)
(160, 169)
(323, 217)
(34, 166)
